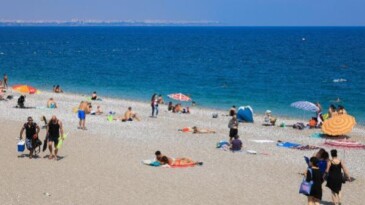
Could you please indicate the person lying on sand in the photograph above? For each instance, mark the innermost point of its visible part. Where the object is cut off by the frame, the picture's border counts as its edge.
(197, 130)
(183, 161)
(159, 156)
(51, 103)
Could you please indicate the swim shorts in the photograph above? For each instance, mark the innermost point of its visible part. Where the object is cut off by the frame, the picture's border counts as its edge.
(81, 114)
(28, 143)
(233, 132)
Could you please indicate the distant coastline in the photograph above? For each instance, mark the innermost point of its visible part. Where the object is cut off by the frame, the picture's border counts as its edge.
(108, 23)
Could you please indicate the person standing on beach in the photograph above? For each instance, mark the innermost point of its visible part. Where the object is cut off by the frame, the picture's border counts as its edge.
(335, 178)
(31, 133)
(5, 81)
(154, 105)
(233, 128)
(84, 108)
(54, 129)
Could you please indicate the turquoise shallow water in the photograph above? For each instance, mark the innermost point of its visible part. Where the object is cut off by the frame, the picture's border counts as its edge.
(267, 68)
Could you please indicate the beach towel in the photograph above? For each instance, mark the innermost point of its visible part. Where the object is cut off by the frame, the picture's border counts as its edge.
(263, 141)
(287, 144)
(317, 135)
(222, 143)
(344, 143)
(152, 162)
(305, 147)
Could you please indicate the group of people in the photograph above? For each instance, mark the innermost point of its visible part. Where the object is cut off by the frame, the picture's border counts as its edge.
(178, 108)
(53, 134)
(333, 111)
(321, 168)
(155, 101)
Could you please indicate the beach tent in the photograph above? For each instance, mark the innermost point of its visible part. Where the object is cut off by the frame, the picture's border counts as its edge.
(245, 114)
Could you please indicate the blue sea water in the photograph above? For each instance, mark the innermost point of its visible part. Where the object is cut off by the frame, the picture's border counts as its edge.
(265, 67)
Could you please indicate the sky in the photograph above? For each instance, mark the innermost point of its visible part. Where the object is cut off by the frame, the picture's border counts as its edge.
(226, 12)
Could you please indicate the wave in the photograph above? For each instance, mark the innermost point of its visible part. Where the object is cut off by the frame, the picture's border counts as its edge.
(339, 80)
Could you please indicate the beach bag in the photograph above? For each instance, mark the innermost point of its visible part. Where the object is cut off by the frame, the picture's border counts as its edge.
(305, 187)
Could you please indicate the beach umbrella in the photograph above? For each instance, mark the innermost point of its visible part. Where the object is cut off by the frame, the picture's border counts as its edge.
(25, 89)
(305, 105)
(179, 97)
(339, 125)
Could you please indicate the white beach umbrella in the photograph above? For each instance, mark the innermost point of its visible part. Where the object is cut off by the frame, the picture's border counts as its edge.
(305, 105)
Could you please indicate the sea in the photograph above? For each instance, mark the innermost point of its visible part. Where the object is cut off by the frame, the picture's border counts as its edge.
(264, 67)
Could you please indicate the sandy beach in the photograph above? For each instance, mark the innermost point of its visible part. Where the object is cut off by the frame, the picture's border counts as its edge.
(103, 164)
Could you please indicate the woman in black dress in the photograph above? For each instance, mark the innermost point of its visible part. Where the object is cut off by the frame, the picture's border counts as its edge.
(314, 175)
(335, 178)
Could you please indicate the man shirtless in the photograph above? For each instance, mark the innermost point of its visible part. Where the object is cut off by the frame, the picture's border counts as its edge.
(84, 108)
(129, 115)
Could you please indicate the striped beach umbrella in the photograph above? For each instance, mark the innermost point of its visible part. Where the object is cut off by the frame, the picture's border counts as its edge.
(179, 97)
(25, 89)
(305, 105)
(339, 125)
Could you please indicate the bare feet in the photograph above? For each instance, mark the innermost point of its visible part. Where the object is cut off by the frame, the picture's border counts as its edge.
(50, 156)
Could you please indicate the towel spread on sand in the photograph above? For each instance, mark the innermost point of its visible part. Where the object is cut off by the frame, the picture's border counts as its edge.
(151, 162)
(296, 146)
(263, 141)
(317, 135)
(287, 144)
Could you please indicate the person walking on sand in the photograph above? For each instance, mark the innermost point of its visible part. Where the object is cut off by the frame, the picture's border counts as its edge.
(335, 178)
(54, 129)
(313, 174)
(5, 81)
(31, 133)
(233, 128)
(84, 108)
(154, 105)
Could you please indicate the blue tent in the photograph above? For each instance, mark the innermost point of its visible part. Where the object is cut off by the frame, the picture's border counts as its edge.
(245, 114)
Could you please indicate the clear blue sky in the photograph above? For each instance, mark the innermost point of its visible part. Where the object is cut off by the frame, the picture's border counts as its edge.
(228, 12)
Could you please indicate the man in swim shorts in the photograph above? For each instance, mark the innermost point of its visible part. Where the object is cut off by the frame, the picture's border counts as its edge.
(31, 133)
(84, 108)
(54, 129)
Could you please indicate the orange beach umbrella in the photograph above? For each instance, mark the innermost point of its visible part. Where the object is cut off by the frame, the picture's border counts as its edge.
(25, 89)
(339, 125)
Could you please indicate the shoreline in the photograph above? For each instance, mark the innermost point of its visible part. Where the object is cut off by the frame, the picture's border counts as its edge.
(103, 164)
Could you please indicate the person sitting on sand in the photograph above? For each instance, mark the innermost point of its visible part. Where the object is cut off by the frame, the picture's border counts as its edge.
(21, 101)
(182, 161)
(341, 110)
(94, 96)
(197, 130)
(332, 111)
(129, 115)
(236, 144)
(98, 111)
(269, 119)
(57, 89)
(170, 106)
(186, 110)
(177, 108)
(232, 111)
(51, 103)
